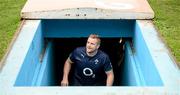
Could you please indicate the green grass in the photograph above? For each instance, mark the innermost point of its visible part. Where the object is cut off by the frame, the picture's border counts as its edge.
(167, 21)
(9, 21)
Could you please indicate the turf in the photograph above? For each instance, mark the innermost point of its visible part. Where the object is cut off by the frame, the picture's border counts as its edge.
(167, 21)
(9, 21)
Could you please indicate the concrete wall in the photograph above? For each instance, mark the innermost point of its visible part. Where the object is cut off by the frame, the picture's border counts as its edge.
(37, 68)
(144, 63)
(130, 74)
(31, 65)
(163, 62)
(138, 70)
(46, 76)
(82, 28)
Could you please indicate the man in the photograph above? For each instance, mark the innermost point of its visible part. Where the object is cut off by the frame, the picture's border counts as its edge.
(92, 67)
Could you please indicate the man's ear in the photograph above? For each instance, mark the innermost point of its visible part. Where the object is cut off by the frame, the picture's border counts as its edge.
(98, 46)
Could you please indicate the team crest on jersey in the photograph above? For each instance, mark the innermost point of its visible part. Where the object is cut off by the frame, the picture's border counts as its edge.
(82, 55)
(96, 61)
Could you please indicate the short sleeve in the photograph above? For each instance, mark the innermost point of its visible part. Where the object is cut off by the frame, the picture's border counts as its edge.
(107, 64)
(72, 56)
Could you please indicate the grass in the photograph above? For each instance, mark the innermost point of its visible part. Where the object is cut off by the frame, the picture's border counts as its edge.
(166, 19)
(9, 21)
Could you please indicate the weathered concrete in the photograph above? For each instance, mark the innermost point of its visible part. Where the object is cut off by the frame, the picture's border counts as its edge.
(87, 9)
(168, 72)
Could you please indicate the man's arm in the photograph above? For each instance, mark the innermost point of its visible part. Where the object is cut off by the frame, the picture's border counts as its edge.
(110, 78)
(67, 68)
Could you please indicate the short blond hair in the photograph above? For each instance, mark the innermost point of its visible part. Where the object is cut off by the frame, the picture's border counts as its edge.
(95, 36)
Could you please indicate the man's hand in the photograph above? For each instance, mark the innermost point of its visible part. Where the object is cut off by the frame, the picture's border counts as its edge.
(67, 67)
(64, 83)
(110, 78)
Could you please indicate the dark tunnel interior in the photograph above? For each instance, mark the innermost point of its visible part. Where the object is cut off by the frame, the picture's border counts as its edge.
(112, 46)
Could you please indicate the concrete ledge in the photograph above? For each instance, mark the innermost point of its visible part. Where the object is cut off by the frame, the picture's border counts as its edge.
(165, 64)
(89, 91)
(168, 72)
(87, 9)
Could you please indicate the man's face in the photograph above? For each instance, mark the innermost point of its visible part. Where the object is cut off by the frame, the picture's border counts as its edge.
(92, 45)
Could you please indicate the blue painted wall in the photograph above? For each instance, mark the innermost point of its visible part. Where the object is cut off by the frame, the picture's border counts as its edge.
(46, 76)
(82, 28)
(147, 71)
(31, 61)
(34, 72)
(130, 74)
(138, 70)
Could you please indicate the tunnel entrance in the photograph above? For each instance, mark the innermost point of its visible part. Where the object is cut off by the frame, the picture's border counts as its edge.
(31, 62)
(52, 41)
(64, 46)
